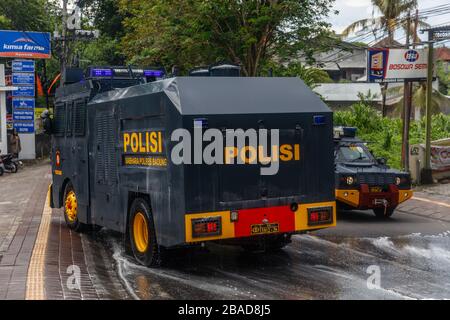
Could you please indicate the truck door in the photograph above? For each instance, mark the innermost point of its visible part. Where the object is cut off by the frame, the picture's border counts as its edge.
(106, 201)
(79, 151)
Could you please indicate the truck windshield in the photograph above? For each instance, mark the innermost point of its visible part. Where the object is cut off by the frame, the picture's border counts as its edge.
(353, 153)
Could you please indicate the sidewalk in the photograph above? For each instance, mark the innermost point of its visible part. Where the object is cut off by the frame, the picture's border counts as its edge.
(430, 201)
(22, 200)
(39, 256)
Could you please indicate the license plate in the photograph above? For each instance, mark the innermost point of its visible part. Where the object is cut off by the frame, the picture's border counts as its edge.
(265, 228)
(376, 189)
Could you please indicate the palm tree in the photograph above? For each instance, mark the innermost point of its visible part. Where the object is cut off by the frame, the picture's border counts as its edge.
(389, 21)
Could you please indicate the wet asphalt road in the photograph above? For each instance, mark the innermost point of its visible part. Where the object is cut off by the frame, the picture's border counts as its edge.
(411, 252)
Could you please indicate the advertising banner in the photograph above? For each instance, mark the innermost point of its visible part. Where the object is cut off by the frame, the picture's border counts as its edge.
(440, 158)
(25, 44)
(397, 65)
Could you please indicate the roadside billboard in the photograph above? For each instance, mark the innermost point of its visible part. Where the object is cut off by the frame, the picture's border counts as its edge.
(25, 44)
(397, 65)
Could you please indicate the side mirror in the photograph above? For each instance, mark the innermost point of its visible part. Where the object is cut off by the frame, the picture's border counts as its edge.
(382, 161)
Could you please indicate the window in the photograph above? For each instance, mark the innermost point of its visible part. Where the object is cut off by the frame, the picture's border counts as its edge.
(69, 109)
(79, 118)
(354, 153)
(60, 120)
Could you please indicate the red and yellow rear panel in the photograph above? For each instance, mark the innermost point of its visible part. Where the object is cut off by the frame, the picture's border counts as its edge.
(260, 221)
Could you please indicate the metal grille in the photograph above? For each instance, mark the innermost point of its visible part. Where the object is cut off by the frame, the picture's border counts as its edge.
(378, 179)
(60, 120)
(106, 165)
(79, 118)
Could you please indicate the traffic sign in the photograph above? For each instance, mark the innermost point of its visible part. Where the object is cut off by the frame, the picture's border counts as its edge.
(22, 78)
(24, 91)
(23, 103)
(23, 66)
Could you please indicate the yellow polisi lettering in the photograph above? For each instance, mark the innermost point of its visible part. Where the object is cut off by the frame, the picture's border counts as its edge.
(134, 142)
(141, 144)
(160, 142)
(153, 142)
(262, 158)
(126, 141)
(286, 152)
(230, 154)
(296, 152)
(248, 155)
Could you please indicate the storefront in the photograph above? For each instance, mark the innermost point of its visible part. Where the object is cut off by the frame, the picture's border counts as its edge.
(3, 124)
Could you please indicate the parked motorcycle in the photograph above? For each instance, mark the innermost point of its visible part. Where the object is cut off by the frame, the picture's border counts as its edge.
(8, 163)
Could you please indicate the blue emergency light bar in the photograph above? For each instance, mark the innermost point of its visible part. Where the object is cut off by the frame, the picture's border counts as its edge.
(99, 73)
(154, 73)
(124, 72)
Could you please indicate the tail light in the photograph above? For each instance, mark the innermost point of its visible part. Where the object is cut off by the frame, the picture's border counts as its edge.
(318, 216)
(58, 159)
(206, 227)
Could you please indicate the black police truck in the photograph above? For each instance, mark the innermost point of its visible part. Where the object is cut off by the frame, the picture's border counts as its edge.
(127, 147)
(365, 182)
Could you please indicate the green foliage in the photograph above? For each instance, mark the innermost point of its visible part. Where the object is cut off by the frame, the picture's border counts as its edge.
(30, 15)
(197, 32)
(310, 76)
(442, 71)
(384, 135)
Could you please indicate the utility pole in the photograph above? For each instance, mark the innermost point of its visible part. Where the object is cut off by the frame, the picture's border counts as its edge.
(434, 35)
(64, 57)
(406, 107)
(427, 177)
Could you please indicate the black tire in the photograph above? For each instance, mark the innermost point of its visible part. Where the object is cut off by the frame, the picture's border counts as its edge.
(150, 256)
(73, 224)
(1, 171)
(380, 213)
(13, 168)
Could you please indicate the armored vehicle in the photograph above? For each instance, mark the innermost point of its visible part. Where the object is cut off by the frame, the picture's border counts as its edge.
(364, 182)
(149, 157)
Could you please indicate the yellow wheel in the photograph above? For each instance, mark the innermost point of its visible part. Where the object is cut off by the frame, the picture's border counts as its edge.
(142, 234)
(71, 209)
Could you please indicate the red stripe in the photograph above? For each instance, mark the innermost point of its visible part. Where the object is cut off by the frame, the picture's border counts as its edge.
(25, 55)
(248, 217)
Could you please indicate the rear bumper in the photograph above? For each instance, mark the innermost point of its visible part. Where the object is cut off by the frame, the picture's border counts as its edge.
(249, 220)
(363, 199)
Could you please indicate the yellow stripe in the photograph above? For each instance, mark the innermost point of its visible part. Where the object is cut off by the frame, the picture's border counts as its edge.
(227, 226)
(350, 197)
(431, 201)
(35, 278)
(301, 216)
(404, 195)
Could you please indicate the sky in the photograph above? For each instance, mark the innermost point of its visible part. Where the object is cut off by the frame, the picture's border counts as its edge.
(353, 10)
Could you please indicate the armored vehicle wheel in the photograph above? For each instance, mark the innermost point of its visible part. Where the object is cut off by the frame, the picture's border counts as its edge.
(142, 234)
(379, 212)
(71, 209)
(1, 171)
